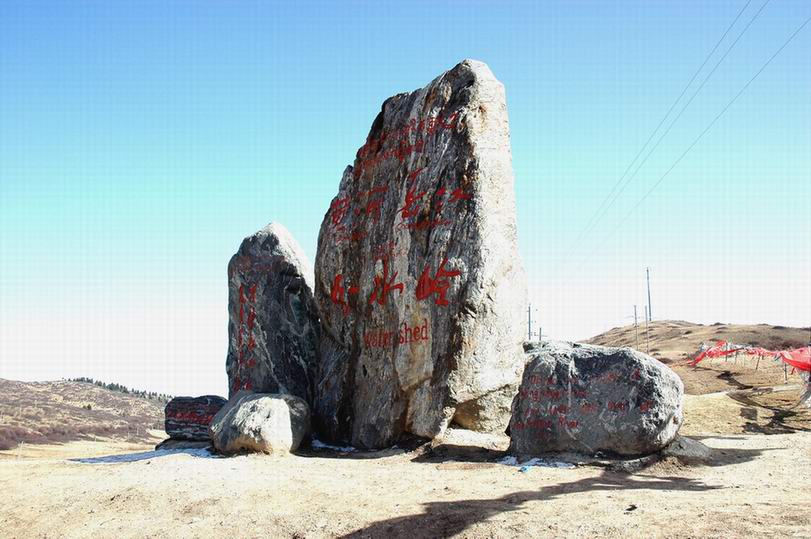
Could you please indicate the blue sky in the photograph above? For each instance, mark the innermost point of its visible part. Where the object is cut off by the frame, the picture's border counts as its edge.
(141, 141)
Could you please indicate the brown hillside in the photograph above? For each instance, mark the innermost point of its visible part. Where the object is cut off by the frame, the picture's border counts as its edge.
(48, 412)
(675, 340)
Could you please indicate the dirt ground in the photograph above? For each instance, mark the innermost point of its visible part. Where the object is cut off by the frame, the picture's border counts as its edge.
(755, 481)
(754, 485)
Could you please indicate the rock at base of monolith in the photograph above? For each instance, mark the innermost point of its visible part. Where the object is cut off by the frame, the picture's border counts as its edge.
(273, 320)
(188, 418)
(489, 413)
(584, 398)
(260, 422)
(418, 278)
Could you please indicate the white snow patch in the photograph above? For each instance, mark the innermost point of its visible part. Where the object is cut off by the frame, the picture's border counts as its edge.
(318, 444)
(525, 466)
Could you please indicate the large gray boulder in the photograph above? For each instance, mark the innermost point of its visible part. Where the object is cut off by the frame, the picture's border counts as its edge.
(583, 398)
(260, 422)
(188, 418)
(273, 323)
(419, 283)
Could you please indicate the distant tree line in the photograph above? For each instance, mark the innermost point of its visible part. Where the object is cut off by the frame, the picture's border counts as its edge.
(113, 386)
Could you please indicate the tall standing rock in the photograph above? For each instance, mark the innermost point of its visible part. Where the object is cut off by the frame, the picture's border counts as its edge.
(273, 320)
(418, 278)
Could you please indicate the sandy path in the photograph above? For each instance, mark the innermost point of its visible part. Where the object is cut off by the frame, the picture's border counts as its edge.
(758, 486)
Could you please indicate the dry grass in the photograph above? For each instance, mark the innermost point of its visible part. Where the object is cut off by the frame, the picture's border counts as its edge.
(55, 412)
(676, 343)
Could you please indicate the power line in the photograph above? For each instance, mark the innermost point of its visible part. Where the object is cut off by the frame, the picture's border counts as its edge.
(701, 135)
(683, 109)
(612, 196)
(662, 121)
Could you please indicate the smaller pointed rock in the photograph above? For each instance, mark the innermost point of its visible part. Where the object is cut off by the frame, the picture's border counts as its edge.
(273, 320)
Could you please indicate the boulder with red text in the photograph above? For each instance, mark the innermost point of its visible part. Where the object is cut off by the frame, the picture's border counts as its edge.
(419, 282)
(188, 418)
(273, 324)
(584, 399)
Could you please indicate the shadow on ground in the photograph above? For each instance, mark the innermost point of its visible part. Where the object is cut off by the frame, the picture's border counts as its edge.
(145, 455)
(444, 519)
(463, 453)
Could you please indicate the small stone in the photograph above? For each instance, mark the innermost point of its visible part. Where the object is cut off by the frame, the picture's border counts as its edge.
(260, 422)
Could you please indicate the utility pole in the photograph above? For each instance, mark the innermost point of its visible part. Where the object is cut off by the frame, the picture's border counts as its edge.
(650, 309)
(529, 324)
(636, 328)
(647, 339)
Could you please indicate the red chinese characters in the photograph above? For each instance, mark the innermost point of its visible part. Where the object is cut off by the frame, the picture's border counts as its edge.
(458, 194)
(245, 346)
(410, 209)
(400, 146)
(338, 210)
(437, 285)
(340, 295)
(617, 406)
(421, 210)
(369, 203)
(384, 285)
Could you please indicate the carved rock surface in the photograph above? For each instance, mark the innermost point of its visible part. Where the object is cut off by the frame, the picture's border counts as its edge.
(188, 418)
(260, 422)
(583, 398)
(419, 283)
(273, 320)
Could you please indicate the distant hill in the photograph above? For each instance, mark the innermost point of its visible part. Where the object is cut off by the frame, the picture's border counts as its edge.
(676, 342)
(53, 412)
(160, 398)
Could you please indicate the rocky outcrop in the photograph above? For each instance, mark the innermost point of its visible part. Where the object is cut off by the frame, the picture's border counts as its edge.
(584, 398)
(273, 321)
(259, 422)
(188, 418)
(419, 283)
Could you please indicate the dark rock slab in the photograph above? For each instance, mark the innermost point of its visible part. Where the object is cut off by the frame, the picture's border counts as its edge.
(273, 320)
(188, 418)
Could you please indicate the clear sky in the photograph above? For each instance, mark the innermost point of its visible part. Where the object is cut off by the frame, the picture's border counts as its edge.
(140, 141)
